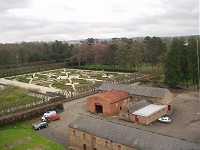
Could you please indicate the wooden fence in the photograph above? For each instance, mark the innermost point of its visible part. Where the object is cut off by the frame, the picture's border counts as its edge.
(45, 99)
(132, 79)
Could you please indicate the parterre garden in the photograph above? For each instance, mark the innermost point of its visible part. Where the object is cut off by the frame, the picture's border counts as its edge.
(70, 79)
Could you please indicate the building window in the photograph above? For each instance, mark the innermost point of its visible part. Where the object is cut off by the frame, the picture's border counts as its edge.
(169, 108)
(136, 119)
(106, 143)
(119, 147)
(74, 132)
(120, 108)
(94, 139)
(84, 136)
(94, 148)
(84, 147)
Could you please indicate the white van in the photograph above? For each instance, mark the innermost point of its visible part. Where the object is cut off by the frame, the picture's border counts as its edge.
(48, 114)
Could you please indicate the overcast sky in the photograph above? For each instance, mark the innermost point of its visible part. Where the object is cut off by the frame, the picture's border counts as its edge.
(47, 20)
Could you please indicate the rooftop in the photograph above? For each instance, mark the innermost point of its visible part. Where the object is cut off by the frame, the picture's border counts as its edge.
(149, 110)
(138, 105)
(153, 92)
(130, 136)
(111, 96)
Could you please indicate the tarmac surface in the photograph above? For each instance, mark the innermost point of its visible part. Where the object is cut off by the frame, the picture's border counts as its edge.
(185, 125)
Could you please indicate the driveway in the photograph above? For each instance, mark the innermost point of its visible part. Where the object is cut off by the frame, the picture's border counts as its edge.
(57, 130)
(185, 125)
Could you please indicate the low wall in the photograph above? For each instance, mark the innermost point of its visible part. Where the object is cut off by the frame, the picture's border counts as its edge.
(29, 114)
(53, 104)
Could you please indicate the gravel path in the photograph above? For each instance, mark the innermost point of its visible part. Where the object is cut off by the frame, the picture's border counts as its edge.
(28, 86)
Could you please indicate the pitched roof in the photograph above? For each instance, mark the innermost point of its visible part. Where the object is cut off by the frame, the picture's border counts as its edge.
(131, 136)
(136, 90)
(111, 96)
(139, 104)
(149, 110)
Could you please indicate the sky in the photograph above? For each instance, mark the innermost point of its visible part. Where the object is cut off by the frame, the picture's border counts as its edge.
(48, 20)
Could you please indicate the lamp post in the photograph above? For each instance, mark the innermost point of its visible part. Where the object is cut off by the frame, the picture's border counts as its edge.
(198, 71)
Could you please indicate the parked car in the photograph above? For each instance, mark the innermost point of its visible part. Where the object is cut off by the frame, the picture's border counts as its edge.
(51, 118)
(165, 119)
(40, 125)
(49, 113)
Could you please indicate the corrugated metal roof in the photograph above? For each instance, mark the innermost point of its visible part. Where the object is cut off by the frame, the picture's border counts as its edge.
(149, 110)
(138, 105)
(131, 136)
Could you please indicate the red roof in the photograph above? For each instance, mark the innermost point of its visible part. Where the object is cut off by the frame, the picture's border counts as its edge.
(112, 96)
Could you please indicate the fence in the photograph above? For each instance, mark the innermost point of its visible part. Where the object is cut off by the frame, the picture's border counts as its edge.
(134, 78)
(30, 113)
(18, 108)
(45, 99)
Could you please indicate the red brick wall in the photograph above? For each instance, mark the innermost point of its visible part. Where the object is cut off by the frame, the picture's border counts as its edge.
(108, 109)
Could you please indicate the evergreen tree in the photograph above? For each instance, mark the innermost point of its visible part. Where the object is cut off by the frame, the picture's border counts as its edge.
(172, 66)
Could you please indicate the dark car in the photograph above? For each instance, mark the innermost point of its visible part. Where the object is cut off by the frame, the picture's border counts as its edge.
(40, 125)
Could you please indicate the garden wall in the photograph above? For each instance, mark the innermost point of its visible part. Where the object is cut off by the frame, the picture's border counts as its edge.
(30, 111)
(29, 114)
(29, 69)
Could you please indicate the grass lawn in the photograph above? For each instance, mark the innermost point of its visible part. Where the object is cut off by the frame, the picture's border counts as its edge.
(59, 85)
(22, 137)
(22, 79)
(12, 96)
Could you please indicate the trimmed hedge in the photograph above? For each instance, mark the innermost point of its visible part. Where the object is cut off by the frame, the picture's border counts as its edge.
(29, 69)
(113, 68)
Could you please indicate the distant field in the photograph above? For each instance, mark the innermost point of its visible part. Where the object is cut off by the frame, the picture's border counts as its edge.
(22, 137)
(12, 96)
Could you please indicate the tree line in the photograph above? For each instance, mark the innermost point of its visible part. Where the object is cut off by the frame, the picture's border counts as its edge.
(126, 53)
(177, 56)
(33, 52)
(181, 65)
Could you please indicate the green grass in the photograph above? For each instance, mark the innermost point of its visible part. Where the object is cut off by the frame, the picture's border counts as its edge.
(22, 78)
(81, 81)
(148, 68)
(41, 76)
(117, 68)
(59, 85)
(12, 96)
(41, 83)
(22, 137)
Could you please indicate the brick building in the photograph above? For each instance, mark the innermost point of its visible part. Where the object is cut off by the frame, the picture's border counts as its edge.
(94, 134)
(88, 133)
(154, 94)
(148, 114)
(153, 102)
(108, 103)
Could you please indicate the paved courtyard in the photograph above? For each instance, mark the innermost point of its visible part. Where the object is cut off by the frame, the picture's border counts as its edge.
(185, 125)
